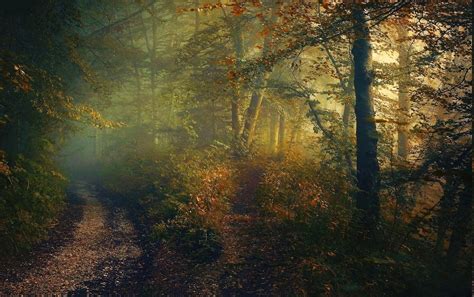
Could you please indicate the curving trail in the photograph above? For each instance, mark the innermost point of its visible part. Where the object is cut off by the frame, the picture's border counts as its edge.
(249, 264)
(103, 254)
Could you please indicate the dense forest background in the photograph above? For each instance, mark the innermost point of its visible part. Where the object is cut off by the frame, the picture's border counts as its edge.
(304, 148)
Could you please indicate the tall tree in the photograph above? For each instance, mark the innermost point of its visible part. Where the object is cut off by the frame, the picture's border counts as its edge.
(274, 130)
(238, 42)
(260, 83)
(403, 88)
(281, 133)
(367, 198)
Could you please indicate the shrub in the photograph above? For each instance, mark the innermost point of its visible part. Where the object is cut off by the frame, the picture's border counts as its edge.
(184, 197)
(31, 196)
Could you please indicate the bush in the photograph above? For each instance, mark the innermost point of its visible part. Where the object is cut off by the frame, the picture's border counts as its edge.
(31, 197)
(293, 189)
(310, 206)
(184, 197)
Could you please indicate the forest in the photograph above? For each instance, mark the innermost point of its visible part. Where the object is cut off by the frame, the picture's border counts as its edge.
(236, 148)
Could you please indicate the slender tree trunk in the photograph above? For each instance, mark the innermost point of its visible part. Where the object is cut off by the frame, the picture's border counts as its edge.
(346, 114)
(254, 109)
(98, 144)
(151, 48)
(449, 192)
(296, 127)
(274, 126)
(197, 20)
(281, 134)
(348, 93)
(403, 92)
(462, 223)
(348, 104)
(136, 70)
(367, 198)
(153, 71)
(258, 93)
(235, 109)
(237, 38)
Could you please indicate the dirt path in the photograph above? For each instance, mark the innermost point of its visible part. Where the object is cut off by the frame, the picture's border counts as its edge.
(242, 269)
(102, 255)
(243, 274)
(101, 252)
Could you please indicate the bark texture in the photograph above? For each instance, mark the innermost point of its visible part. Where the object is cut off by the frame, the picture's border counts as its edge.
(367, 198)
(403, 92)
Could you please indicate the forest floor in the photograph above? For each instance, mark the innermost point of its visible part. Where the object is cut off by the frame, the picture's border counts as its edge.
(96, 248)
(250, 263)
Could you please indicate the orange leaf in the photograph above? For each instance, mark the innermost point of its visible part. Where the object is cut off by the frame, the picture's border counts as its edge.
(237, 10)
(265, 32)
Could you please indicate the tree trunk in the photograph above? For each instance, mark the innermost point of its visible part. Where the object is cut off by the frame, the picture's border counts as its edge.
(235, 110)
(403, 92)
(151, 50)
(367, 198)
(153, 72)
(197, 20)
(274, 126)
(349, 104)
(259, 91)
(98, 144)
(281, 134)
(462, 223)
(449, 193)
(254, 109)
(296, 127)
(237, 38)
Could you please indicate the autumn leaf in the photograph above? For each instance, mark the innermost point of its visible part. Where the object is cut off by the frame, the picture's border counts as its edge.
(231, 75)
(256, 3)
(237, 10)
(228, 61)
(265, 32)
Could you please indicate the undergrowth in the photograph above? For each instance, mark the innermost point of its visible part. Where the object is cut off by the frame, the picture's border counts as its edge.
(183, 197)
(31, 197)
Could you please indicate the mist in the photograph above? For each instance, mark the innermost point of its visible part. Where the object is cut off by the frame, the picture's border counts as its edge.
(236, 148)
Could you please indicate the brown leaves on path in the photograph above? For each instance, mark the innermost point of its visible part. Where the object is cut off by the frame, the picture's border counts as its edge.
(101, 256)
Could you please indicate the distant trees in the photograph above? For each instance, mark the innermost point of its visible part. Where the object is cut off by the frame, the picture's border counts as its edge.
(449, 144)
(210, 76)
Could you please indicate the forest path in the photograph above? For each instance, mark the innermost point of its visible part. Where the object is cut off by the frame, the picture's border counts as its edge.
(241, 217)
(238, 271)
(100, 254)
(241, 274)
(249, 263)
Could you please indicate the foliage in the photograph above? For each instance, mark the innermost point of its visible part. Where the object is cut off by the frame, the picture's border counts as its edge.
(32, 196)
(324, 240)
(37, 112)
(296, 185)
(198, 91)
(183, 197)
